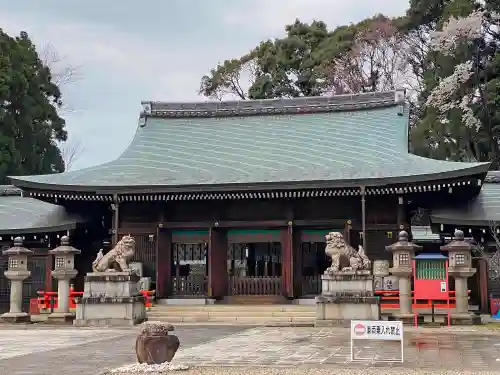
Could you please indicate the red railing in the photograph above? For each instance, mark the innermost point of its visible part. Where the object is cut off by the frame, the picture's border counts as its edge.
(48, 300)
(389, 299)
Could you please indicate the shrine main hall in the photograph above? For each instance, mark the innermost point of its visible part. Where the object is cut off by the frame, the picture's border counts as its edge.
(233, 199)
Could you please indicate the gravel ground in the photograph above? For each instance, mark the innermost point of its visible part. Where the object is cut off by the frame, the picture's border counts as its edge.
(323, 370)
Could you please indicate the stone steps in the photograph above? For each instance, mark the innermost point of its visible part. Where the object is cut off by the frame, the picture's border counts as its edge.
(285, 315)
(237, 308)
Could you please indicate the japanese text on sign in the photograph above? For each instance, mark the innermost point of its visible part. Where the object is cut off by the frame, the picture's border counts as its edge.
(376, 330)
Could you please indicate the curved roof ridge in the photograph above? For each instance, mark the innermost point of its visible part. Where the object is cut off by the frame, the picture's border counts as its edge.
(22, 215)
(493, 177)
(9, 191)
(253, 107)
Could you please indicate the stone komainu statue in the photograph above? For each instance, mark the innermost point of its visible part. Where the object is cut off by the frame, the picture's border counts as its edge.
(118, 258)
(344, 257)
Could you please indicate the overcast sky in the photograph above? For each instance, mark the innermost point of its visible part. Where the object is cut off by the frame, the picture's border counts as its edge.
(131, 50)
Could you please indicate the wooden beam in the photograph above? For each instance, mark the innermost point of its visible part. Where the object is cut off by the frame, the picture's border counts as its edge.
(187, 225)
(226, 224)
(330, 223)
(135, 231)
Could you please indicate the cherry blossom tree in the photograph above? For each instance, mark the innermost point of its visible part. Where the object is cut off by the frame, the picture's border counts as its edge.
(469, 44)
(375, 62)
(452, 91)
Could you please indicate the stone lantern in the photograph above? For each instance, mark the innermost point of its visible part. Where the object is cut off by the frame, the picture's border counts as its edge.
(403, 252)
(64, 271)
(460, 268)
(17, 271)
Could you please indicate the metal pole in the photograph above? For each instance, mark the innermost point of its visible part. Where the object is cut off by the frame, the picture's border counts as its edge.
(363, 216)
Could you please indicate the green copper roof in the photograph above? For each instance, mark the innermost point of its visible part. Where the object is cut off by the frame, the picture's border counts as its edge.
(480, 211)
(331, 141)
(19, 215)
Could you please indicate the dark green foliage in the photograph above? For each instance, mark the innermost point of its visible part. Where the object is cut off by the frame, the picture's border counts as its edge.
(288, 67)
(29, 121)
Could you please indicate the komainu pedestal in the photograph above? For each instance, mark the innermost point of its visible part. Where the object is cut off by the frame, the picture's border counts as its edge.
(346, 287)
(345, 297)
(110, 295)
(110, 299)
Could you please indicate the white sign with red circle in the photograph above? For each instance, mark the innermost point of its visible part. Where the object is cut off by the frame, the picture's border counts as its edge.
(376, 330)
(359, 329)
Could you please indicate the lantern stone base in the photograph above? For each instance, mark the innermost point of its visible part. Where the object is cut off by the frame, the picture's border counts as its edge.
(61, 318)
(110, 299)
(407, 319)
(346, 296)
(465, 319)
(20, 317)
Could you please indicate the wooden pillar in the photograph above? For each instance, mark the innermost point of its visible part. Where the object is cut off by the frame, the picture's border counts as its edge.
(287, 261)
(297, 263)
(163, 261)
(116, 219)
(217, 263)
(48, 272)
(363, 217)
(401, 218)
(483, 285)
(348, 232)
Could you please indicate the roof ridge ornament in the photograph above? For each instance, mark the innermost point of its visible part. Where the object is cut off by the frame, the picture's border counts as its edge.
(146, 108)
(146, 111)
(276, 106)
(399, 96)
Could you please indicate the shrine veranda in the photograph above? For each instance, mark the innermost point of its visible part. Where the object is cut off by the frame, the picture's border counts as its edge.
(232, 200)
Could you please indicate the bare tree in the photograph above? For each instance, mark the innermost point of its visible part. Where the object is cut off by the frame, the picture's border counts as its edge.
(492, 259)
(62, 73)
(70, 152)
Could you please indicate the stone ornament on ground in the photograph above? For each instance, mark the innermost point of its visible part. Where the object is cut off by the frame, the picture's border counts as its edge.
(154, 345)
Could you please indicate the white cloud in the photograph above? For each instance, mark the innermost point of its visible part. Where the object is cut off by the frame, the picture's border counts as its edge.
(124, 56)
(123, 63)
(269, 16)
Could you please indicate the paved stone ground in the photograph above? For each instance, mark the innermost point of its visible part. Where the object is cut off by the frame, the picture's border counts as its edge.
(82, 351)
(49, 351)
(314, 347)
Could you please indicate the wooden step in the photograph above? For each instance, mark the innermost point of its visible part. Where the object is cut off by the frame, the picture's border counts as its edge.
(257, 315)
(233, 313)
(255, 300)
(228, 307)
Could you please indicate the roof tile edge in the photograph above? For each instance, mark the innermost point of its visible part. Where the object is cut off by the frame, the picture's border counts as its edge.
(301, 105)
